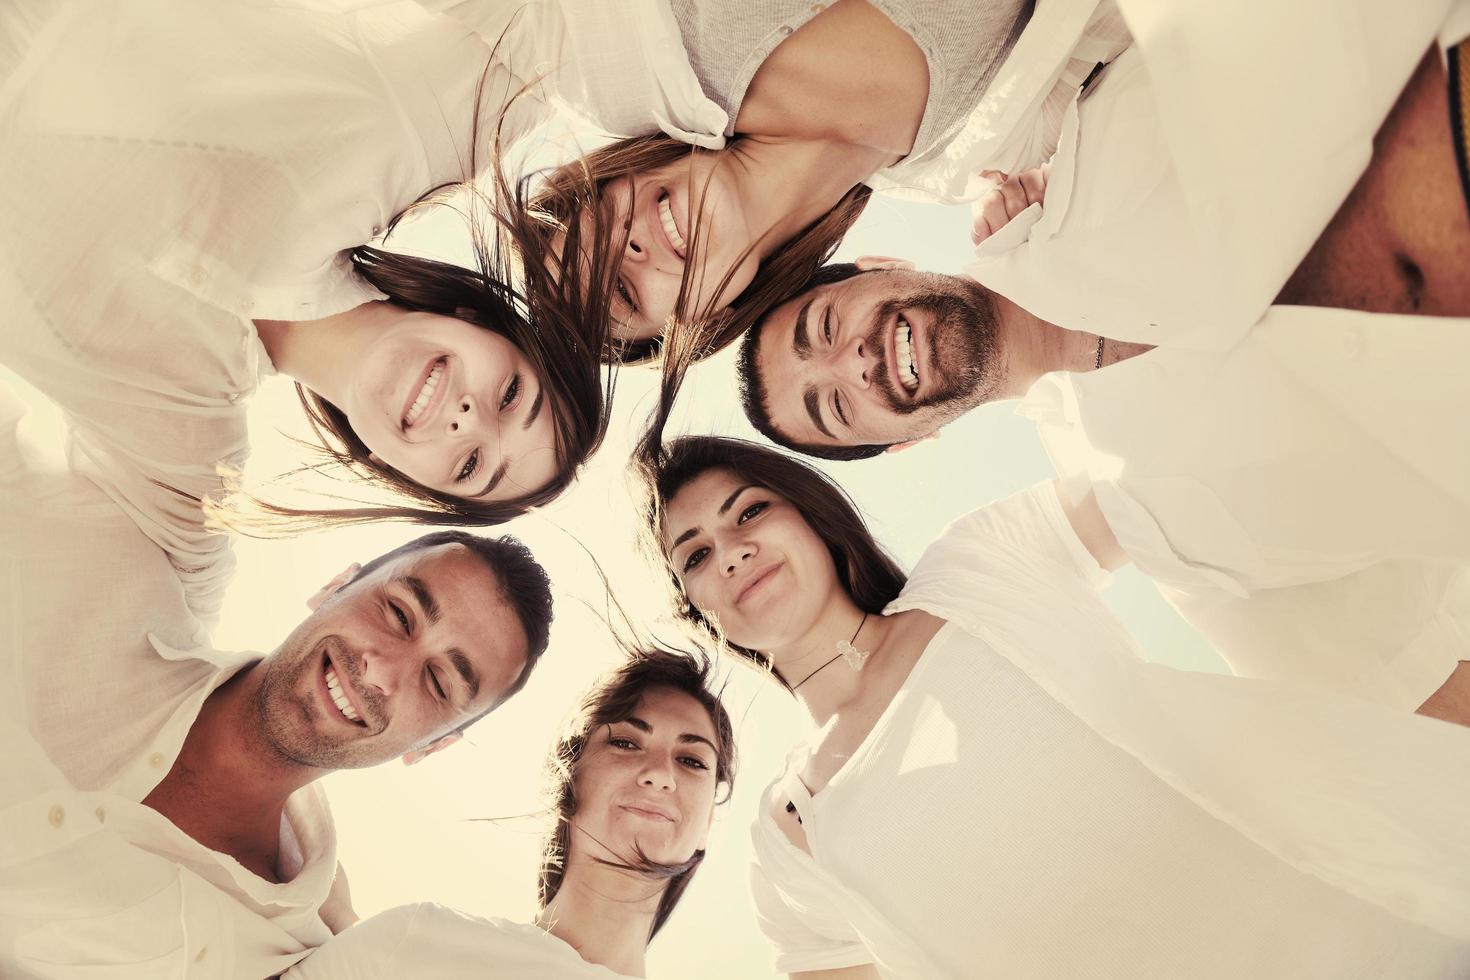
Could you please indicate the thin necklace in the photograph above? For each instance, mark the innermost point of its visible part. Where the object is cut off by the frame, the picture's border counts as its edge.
(839, 656)
(1099, 352)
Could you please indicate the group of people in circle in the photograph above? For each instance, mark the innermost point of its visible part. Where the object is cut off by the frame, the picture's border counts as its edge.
(198, 195)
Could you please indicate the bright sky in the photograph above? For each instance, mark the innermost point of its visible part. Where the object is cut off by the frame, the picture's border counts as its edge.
(418, 834)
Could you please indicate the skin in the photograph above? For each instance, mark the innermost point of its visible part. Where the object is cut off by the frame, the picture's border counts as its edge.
(850, 376)
(646, 783)
(802, 149)
(273, 727)
(487, 425)
(1452, 701)
(1400, 243)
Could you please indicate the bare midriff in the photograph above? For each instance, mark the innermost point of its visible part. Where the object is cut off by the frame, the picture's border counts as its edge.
(1400, 243)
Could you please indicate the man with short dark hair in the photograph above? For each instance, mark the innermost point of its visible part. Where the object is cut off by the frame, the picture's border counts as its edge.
(159, 805)
(1295, 497)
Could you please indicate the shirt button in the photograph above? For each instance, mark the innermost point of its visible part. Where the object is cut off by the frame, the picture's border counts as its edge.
(57, 816)
(101, 815)
(1352, 344)
(786, 31)
(199, 956)
(156, 760)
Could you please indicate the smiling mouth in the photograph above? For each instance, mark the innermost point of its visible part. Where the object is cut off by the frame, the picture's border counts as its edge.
(671, 228)
(756, 582)
(648, 813)
(906, 359)
(338, 695)
(424, 396)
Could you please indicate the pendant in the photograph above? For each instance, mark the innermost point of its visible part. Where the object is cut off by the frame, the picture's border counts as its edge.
(855, 658)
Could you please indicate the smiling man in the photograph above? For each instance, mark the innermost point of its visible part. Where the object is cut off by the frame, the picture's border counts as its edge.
(1294, 496)
(159, 806)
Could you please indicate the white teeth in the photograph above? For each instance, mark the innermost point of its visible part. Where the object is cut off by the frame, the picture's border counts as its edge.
(425, 393)
(334, 687)
(666, 214)
(908, 370)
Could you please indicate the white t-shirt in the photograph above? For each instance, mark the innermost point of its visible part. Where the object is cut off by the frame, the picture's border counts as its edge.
(432, 942)
(1037, 801)
(103, 669)
(1301, 498)
(174, 169)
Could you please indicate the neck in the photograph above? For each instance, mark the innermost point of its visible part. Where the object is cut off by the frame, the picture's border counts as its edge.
(321, 354)
(826, 693)
(605, 914)
(228, 788)
(1033, 347)
(784, 185)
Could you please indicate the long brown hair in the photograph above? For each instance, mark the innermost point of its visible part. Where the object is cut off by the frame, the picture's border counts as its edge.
(612, 699)
(867, 573)
(508, 291)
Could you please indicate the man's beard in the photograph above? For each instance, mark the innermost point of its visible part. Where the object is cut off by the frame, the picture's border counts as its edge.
(961, 347)
(285, 708)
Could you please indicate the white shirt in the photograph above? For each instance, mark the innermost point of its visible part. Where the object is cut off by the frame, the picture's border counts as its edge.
(1302, 498)
(1037, 801)
(173, 170)
(1203, 164)
(433, 942)
(624, 68)
(104, 670)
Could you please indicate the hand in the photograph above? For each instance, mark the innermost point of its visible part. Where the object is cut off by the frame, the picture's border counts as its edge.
(1014, 195)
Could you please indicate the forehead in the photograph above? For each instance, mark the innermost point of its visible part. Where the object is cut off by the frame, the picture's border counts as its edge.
(674, 712)
(698, 501)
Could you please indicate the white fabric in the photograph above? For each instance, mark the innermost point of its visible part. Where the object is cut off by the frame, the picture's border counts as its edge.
(432, 942)
(1315, 467)
(624, 68)
(174, 169)
(1048, 804)
(103, 669)
(1203, 164)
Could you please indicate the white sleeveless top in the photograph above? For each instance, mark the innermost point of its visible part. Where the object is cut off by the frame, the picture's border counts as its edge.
(996, 821)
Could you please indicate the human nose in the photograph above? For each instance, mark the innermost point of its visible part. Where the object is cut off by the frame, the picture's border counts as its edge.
(657, 772)
(736, 554)
(465, 417)
(384, 667)
(853, 362)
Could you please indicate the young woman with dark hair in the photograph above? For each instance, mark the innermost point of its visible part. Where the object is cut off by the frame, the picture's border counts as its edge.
(633, 783)
(998, 783)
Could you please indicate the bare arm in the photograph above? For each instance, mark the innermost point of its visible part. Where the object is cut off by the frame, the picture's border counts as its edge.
(1091, 527)
(865, 972)
(1452, 701)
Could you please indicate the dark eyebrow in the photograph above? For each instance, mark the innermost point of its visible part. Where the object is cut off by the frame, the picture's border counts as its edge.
(495, 478)
(724, 509)
(425, 599)
(809, 398)
(462, 666)
(535, 408)
(685, 738)
(801, 344)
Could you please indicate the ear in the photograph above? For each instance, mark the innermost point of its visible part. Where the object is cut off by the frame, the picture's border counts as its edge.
(343, 577)
(869, 262)
(899, 447)
(438, 745)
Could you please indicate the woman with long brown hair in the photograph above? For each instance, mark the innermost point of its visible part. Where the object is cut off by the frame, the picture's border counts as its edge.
(633, 782)
(996, 782)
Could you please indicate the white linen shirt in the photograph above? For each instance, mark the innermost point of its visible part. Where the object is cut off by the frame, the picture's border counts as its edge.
(623, 67)
(432, 942)
(1200, 168)
(103, 669)
(173, 170)
(1047, 804)
(1303, 498)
